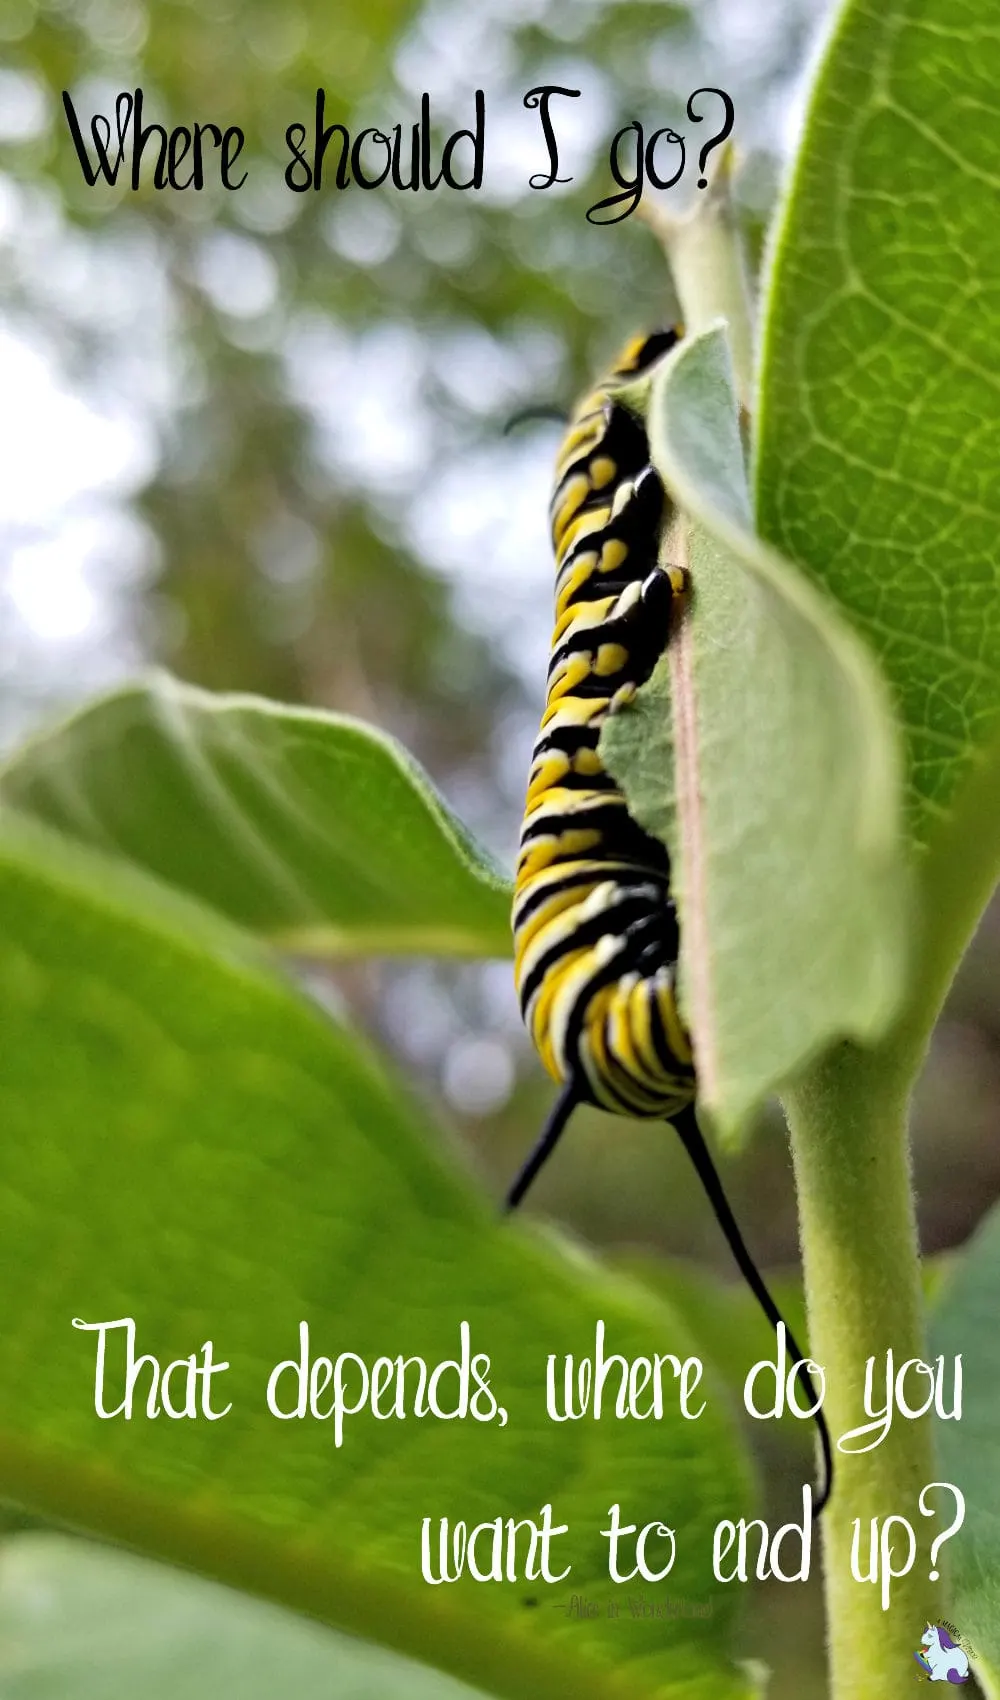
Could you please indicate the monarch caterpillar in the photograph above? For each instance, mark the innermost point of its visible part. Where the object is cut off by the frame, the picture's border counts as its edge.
(595, 929)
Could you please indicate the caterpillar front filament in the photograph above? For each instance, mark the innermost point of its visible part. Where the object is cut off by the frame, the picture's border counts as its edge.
(595, 928)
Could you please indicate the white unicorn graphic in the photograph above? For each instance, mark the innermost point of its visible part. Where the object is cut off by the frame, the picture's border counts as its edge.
(941, 1657)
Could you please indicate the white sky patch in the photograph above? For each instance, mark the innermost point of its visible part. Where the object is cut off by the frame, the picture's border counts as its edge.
(24, 109)
(791, 101)
(365, 231)
(65, 588)
(483, 523)
(477, 369)
(237, 274)
(67, 550)
(55, 449)
(49, 589)
(437, 55)
(10, 206)
(366, 395)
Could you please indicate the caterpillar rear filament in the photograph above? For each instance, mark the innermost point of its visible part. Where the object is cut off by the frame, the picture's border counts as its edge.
(595, 928)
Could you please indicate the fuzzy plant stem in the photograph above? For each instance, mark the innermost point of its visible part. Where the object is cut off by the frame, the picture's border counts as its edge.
(848, 1123)
(706, 263)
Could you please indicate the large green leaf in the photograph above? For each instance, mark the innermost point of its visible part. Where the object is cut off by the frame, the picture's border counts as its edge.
(82, 1622)
(965, 1321)
(188, 1142)
(879, 426)
(316, 831)
(763, 753)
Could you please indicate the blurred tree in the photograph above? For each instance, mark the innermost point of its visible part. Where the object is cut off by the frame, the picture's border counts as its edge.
(324, 358)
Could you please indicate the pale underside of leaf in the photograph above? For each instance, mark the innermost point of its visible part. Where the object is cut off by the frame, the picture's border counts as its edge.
(314, 831)
(763, 753)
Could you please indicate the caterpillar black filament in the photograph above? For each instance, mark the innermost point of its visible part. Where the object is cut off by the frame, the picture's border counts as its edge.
(595, 929)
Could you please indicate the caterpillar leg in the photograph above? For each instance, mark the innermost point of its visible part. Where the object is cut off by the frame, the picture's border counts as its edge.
(553, 1130)
(690, 1135)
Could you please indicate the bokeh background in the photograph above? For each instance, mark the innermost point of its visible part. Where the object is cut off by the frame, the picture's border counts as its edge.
(258, 438)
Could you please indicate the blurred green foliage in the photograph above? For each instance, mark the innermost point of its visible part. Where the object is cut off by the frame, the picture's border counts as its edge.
(277, 566)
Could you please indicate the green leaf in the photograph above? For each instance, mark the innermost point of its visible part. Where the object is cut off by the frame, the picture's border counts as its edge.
(965, 1321)
(784, 825)
(313, 830)
(879, 422)
(189, 1142)
(82, 1622)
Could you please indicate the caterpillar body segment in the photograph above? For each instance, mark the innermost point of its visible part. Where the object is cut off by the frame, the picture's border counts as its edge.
(594, 924)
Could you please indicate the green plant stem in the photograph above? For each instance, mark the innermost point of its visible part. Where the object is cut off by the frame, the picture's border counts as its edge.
(848, 1121)
(706, 263)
